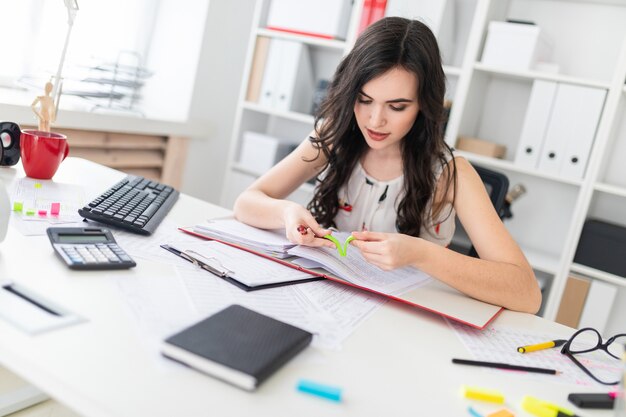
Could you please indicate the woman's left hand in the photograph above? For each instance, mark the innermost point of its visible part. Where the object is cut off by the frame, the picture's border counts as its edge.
(387, 250)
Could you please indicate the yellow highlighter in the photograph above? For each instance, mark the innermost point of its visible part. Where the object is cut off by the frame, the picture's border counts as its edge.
(481, 394)
(541, 408)
(541, 346)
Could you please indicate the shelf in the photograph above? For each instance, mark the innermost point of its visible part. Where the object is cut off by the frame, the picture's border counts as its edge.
(535, 75)
(597, 274)
(454, 71)
(610, 189)
(510, 166)
(309, 40)
(289, 115)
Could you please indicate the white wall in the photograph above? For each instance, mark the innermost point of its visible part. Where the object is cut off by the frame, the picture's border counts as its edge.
(174, 50)
(216, 90)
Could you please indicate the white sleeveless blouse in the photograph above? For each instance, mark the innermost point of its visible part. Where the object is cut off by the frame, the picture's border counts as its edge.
(368, 204)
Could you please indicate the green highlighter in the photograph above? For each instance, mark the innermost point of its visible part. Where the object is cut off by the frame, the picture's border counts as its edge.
(342, 249)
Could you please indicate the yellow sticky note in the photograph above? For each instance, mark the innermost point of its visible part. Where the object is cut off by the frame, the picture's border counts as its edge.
(481, 394)
(38, 185)
(502, 413)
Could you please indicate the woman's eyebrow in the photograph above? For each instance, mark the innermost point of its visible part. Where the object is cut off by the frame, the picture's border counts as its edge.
(395, 100)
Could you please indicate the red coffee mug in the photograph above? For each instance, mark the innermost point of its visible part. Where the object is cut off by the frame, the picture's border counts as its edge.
(42, 152)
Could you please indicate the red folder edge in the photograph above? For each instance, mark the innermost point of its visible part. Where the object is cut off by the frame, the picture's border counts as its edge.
(341, 281)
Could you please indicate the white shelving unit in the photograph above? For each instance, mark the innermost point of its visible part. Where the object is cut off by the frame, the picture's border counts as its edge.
(589, 40)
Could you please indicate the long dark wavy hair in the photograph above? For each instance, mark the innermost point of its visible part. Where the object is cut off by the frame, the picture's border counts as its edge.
(389, 43)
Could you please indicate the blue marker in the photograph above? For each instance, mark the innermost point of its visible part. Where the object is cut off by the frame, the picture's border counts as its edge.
(324, 391)
(473, 412)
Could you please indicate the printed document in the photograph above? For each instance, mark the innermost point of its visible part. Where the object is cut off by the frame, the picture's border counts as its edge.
(500, 343)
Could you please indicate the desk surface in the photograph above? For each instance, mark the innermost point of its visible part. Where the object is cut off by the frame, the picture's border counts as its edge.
(396, 363)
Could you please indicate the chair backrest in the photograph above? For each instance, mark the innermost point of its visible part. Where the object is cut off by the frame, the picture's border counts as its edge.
(497, 185)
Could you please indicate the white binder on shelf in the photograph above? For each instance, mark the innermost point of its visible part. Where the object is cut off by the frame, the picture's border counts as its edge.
(598, 305)
(536, 123)
(288, 78)
(578, 148)
(295, 85)
(570, 113)
(271, 73)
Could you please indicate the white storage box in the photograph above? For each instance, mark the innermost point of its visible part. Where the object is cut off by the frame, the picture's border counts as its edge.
(259, 152)
(516, 46)
(320, 18)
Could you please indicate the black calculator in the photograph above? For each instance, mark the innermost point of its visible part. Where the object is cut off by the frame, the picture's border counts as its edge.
(88, 248)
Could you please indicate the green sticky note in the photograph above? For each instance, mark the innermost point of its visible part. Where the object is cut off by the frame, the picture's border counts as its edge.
(18, 206)
(342, 249)
(38, 185)
(30, 212)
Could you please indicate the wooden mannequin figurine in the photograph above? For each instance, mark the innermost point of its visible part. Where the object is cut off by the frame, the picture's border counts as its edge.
(47, 112)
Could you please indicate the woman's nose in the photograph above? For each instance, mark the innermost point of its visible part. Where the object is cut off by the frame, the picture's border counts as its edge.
(377, 117)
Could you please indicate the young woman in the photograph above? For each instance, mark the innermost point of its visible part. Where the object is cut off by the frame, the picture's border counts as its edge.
(386, 175)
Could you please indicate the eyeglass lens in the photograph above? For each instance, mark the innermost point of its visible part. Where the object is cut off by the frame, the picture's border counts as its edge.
(585, 341)
(616, 347)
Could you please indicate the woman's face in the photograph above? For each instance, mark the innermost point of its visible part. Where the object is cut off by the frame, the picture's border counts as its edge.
(386, 108)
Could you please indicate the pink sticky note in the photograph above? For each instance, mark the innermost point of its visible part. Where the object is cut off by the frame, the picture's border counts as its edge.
(42, 212)
(55, 208)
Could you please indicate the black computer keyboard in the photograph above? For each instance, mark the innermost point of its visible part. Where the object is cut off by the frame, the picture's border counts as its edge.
(135, 204)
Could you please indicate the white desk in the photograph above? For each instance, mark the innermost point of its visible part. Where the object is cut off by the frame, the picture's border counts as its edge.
(396, 363)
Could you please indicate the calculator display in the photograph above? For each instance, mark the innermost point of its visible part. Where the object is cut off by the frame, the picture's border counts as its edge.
(64, 238)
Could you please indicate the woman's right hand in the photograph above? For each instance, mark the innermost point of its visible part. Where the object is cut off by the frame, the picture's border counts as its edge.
(302, 228)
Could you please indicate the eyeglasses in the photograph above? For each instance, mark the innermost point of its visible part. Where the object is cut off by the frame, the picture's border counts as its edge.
(588, 340)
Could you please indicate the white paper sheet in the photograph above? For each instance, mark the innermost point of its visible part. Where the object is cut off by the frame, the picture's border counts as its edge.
(328, 310)
(35, 195)
(500, 343)
(158, 304)
(354, 268)
(148, 247)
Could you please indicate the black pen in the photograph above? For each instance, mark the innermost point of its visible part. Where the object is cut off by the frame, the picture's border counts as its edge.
(10, 288)
(508, 366)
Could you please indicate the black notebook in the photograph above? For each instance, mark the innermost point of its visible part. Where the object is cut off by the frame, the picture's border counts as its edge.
(237, 345)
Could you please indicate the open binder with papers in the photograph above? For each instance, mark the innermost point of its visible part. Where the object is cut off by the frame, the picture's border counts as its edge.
(231, 243)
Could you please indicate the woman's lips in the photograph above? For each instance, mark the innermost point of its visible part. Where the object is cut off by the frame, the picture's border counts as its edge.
(377, 136)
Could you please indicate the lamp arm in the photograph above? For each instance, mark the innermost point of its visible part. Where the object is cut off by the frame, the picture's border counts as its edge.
(72, 8)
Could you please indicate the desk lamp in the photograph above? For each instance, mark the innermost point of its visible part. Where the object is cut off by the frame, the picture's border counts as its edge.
(72, 8)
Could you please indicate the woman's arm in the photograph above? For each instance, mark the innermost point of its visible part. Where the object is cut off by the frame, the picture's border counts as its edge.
(501, 276)
(263, 205)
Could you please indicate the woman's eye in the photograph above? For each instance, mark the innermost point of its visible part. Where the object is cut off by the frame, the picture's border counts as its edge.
(398, 108)
(364, 101)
